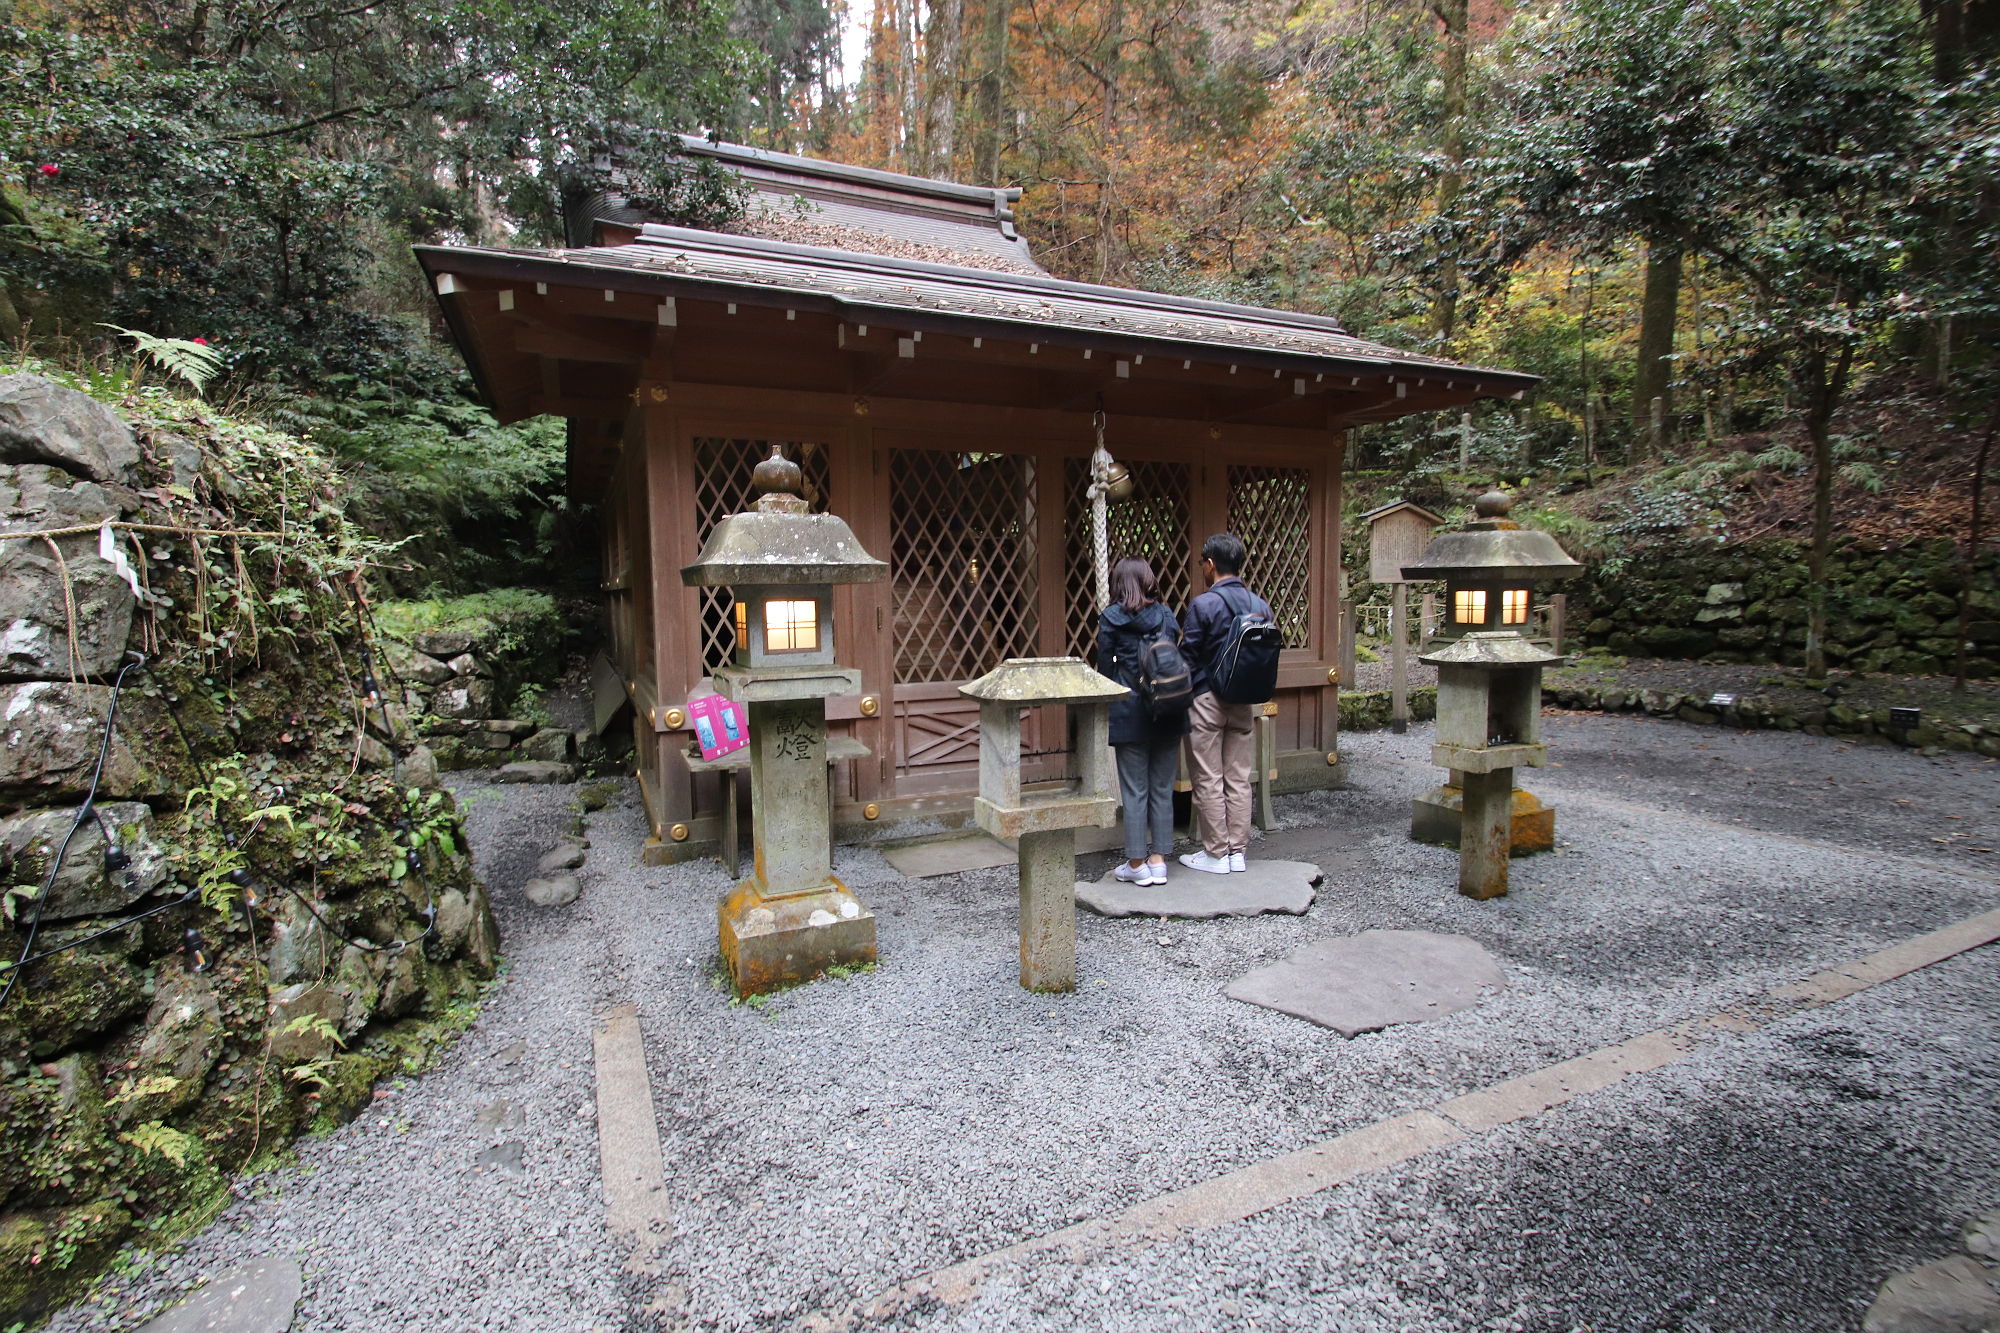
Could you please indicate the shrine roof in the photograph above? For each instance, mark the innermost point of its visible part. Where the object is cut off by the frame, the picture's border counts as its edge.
(921, 294)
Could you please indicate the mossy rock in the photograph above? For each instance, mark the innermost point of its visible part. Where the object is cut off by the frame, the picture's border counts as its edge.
(48, 1256)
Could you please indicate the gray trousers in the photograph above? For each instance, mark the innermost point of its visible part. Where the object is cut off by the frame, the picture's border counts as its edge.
(1146, 789)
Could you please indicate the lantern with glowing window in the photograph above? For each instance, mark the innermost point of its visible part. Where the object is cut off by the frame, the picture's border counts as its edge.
(793, 918)
(1489, 703)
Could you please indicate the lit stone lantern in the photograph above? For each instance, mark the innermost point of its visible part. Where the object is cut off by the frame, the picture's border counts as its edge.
(1489, 701)
(1045, 819)
(792, 919)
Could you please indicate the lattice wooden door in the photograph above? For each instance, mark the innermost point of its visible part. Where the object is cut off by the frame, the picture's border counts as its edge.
(1152, 524)
(722, 470)
(963, 570)
(1270, 508)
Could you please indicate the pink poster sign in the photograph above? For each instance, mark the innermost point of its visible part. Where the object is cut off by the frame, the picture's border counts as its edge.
(719, 727)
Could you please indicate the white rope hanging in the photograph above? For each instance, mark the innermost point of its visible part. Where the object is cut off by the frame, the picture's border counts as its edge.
(1100, 541)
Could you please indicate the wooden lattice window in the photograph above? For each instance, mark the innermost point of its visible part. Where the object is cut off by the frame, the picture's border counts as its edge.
(722, 471)
(1153, 524)
(1270, 508)
(963, 562)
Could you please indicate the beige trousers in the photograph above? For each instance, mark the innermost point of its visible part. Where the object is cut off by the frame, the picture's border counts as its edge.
(1219, 755)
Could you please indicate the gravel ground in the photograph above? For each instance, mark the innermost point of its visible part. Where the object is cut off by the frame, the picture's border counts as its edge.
(836, 1139)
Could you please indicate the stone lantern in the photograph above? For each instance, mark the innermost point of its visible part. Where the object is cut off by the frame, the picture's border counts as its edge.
(1489, 702)
(1045, 819)
(792, 919)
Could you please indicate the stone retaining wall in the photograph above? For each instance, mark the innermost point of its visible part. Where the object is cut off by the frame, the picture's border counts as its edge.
(1890, 610)
(138, 1070)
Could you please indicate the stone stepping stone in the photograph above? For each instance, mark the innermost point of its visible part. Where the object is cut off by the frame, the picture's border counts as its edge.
(949, 856)
(535, 771)
(567, 857)
(555, 891)
(1374, 980)
(259, 1297)
(1264, 886)
(1955, 1295)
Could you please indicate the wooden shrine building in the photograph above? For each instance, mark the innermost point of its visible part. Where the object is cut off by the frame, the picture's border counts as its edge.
(939, 388)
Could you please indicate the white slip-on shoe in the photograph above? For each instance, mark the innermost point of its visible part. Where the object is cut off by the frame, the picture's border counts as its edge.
(1132, 874)
(1201, 860)
(1236, 865)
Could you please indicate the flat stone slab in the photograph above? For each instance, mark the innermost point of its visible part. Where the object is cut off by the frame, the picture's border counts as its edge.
(1374, 980)
(978, 851)
(535, 771)
(1264, 886)
(949, 856)
(1955, 1295)
(259, 1297)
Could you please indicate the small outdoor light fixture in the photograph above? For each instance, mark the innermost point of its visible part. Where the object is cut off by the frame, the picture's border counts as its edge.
(1905, 719)
(780, 561)
(1489, 693)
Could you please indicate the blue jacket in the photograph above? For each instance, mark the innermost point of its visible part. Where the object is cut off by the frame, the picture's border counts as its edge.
(1120, 636)
(1208, 620)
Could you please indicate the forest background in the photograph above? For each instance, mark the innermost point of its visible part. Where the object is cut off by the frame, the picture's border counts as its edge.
(1714, 227)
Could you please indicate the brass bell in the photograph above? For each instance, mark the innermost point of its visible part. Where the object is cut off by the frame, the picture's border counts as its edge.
(1117, 483)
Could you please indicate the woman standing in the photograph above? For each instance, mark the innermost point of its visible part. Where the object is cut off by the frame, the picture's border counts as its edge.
(1147, 745)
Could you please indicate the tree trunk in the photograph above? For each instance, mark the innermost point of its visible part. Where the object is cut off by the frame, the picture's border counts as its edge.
(1974, 535)
(883, 65)
(992, 92)
(1658, 315)
(1107, 264)
(1824, 385)
(942, 41)
(1444, 308)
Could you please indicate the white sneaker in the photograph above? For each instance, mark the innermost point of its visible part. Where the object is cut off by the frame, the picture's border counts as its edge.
(1156, 873)
(1236, 866)
(1132, 874)
(1201, 860)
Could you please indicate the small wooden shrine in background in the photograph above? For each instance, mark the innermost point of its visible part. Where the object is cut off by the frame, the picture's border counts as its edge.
(937, 389)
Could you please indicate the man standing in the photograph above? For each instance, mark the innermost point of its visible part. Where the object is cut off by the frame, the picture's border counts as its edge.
(1219, 744)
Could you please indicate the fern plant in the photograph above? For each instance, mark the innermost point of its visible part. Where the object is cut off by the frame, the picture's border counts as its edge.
(195, 362)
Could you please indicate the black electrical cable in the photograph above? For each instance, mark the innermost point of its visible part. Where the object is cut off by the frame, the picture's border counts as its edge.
(132, 659)
(190, 896)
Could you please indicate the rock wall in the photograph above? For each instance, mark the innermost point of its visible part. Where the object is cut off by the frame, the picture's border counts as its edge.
(455, 684)
(268, 904)
(1890, 610)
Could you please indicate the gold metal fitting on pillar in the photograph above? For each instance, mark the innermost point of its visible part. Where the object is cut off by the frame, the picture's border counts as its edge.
(1333, 675)
(676, 719)
(1333, 756)
(870, 706)
(871, 811)
(679, 833)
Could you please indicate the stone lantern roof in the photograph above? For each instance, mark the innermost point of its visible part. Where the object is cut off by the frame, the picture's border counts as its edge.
(1493, 549)
(781, 541)
(1044, 680)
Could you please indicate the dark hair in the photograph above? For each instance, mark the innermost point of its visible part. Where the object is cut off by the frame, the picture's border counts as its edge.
(1226, 550)
(1133, 585)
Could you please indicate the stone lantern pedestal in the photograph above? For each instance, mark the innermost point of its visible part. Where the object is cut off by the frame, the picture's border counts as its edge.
(1489, 723)
(792, 919)
(1045, 820)
(1489, 701)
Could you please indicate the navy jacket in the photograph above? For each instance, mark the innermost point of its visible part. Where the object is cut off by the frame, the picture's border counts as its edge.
(1120, 636)
(1208, 623)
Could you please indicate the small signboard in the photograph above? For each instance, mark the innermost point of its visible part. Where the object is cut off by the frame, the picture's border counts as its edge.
(719, 725)
(1398, 532)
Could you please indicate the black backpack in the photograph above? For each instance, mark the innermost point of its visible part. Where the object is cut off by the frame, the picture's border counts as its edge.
(1166, 685)
(1244, 669)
